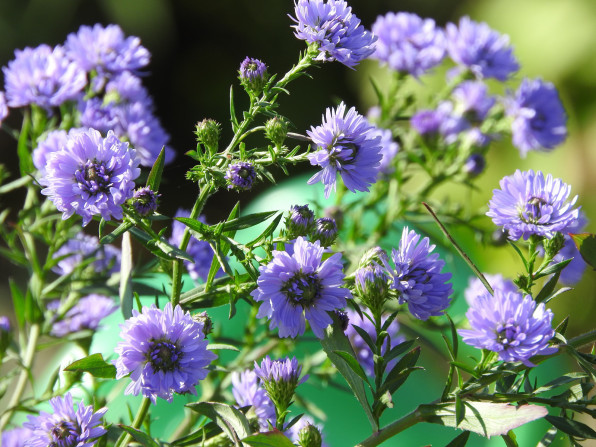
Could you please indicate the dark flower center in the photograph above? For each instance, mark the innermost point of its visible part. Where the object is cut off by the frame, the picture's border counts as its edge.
(535, 209)
(164, 355)
(509, 334)
(244, 173)
(93, 177)
(303, 289)
(64, 434)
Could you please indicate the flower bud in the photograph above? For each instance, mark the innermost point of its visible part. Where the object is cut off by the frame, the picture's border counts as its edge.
(343, 318)
(375, 255)
(253, 76)
(276, 129)
(207, 132)
(241, 176)
(325, 231)
(145, 201)
(474, 165)
(372, 286)
(553, 245)
(299, 221)
(309, 436)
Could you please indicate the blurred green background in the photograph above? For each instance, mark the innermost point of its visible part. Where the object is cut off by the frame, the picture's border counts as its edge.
(197, 47)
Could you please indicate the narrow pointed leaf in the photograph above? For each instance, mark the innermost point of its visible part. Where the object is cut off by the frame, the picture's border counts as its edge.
(141, 437)
(125, 289)
(231, 420)
(571, 427)
(460, 441)
(273, 438)
(119, 231)
(244, 222)
(154, 177)
(353, 363)
(94, 365)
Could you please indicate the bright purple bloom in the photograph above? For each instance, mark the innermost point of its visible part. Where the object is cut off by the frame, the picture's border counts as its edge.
(53, 142)
(286, 370)
(106, 50)
(87, 313)
(82, 247)
(528, 203)
(91, 175)
(65, 427)
(485, 52)
(241, 176)
(348, 146)
(408, 43)
(539, 118)
(164, 351)
(476, 288)
(298, 287)
(337, 32)
(511, 325)
(472, 101)
(200, 251)
(17, 437)
(299, 221)
(389, 149)
(247, 390)
(3, 107)
(362, 350)
(43, 76)
(417, 276)
(474, 165)
(144, 201)
(253, 75)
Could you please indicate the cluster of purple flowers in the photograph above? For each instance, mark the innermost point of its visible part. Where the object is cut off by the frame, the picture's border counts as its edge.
(347, 145)
(334, 30)
(301, 286)
(164, 351)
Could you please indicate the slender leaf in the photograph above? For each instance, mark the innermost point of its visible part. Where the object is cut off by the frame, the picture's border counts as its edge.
(154, 177)
(249, 221)
(548, 288)
(119, 231)
(16, 184)
(18, 302)
(94, 365)
(510, 439)
(141, 437)
(400, 372)
(125, 289)
(203, 229)
(233, 118)
(460, 441)
(460, 410)
(222, 346)
(366, 337)
(268, 231)
(231, 420)
(554, 268)
(353, 364)
(563, 380)
(571, 427)
(273, 438)
(398, 350)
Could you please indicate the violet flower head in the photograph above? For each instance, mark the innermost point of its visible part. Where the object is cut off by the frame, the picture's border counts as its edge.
(247, 390)
(200, 251)
(408, 43)
(164, 351)
(82, 247)
(91, 175)
(511, 325)
(299, 221)
(17, 437)
(4, 323)
(485, 52)
(539, 118)
(497, 281)
(241, 176)
(417, 276)
(145, 201)
(65, 427)
(324, 231)
(253, 75)
(43, 76)
(529, 203)
(106, 50)
(281, 370)
(54, 141)
(299, 287)
(346, 146)
(389, 149)
(472, 101)
(474, 165)
(363, 352)
(334, 29)
(86, 314)
(427, 122)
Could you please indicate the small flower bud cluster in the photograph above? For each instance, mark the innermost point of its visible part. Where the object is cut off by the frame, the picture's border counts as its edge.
(301, 222)
(276, 130)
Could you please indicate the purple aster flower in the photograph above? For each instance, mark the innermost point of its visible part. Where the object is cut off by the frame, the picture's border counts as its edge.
(81, 247)
(476, 288)
(17, 437)
(417, 276)
(280, 379)
(347, 145)
(164, 351)
(362, 350)
(106, 50)
(408, 43)
(241, 175)
(485, 52)
(511, 325)
(292, 288)
(91, 175)
(65, 427)
(324, 231)
(427, 122)
(247, 390)
(3, 107)
(43, 76)
(87, 313)
(528, 203)
(253, 75)
(474, 165)
(144, 201)
(334, 29)
(539, 118)
(372, 285)
(389, 149)
(473, 101)
(53, 142)
(200, 251)
(299, 221)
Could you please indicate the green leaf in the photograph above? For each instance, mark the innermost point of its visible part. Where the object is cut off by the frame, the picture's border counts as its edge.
(510, 439)
(25, 160)
(244, 222)
(94, 365)
(586, 244)
(353, 363)
(460, 441)
(154, 177)
(231, 420)
(139, 436)
(485, 418)
(160, 248)
(336, 340)
(366, 337)
(18, 302)
(460, 410)
(222, 346)
(268, 231)
(119, 231)
(400, 372)
(571, 427)
(548, 438)
(233, 118)
(548, 288)
(273, 438)
(553, 268)
(563, 380)
(125, 289)
(196, 225)
(398, 350)
(15, 184)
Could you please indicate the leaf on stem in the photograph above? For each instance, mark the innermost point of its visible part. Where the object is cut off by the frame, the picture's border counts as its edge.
(94, 365)
(141, 437)
(154, 178)
(231, 420)
(273, 438)
(571, 427)
(586, 244)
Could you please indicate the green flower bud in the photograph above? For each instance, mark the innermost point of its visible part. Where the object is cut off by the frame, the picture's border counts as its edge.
(276, 130)
(207, 132)
(309, 436)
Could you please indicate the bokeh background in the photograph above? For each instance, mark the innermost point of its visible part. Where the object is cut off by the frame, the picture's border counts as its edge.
(197, 47)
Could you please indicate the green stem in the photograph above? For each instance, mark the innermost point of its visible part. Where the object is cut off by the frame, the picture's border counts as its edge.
(392, 429)
(204, 194)
(23, 377)
(126, 437)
